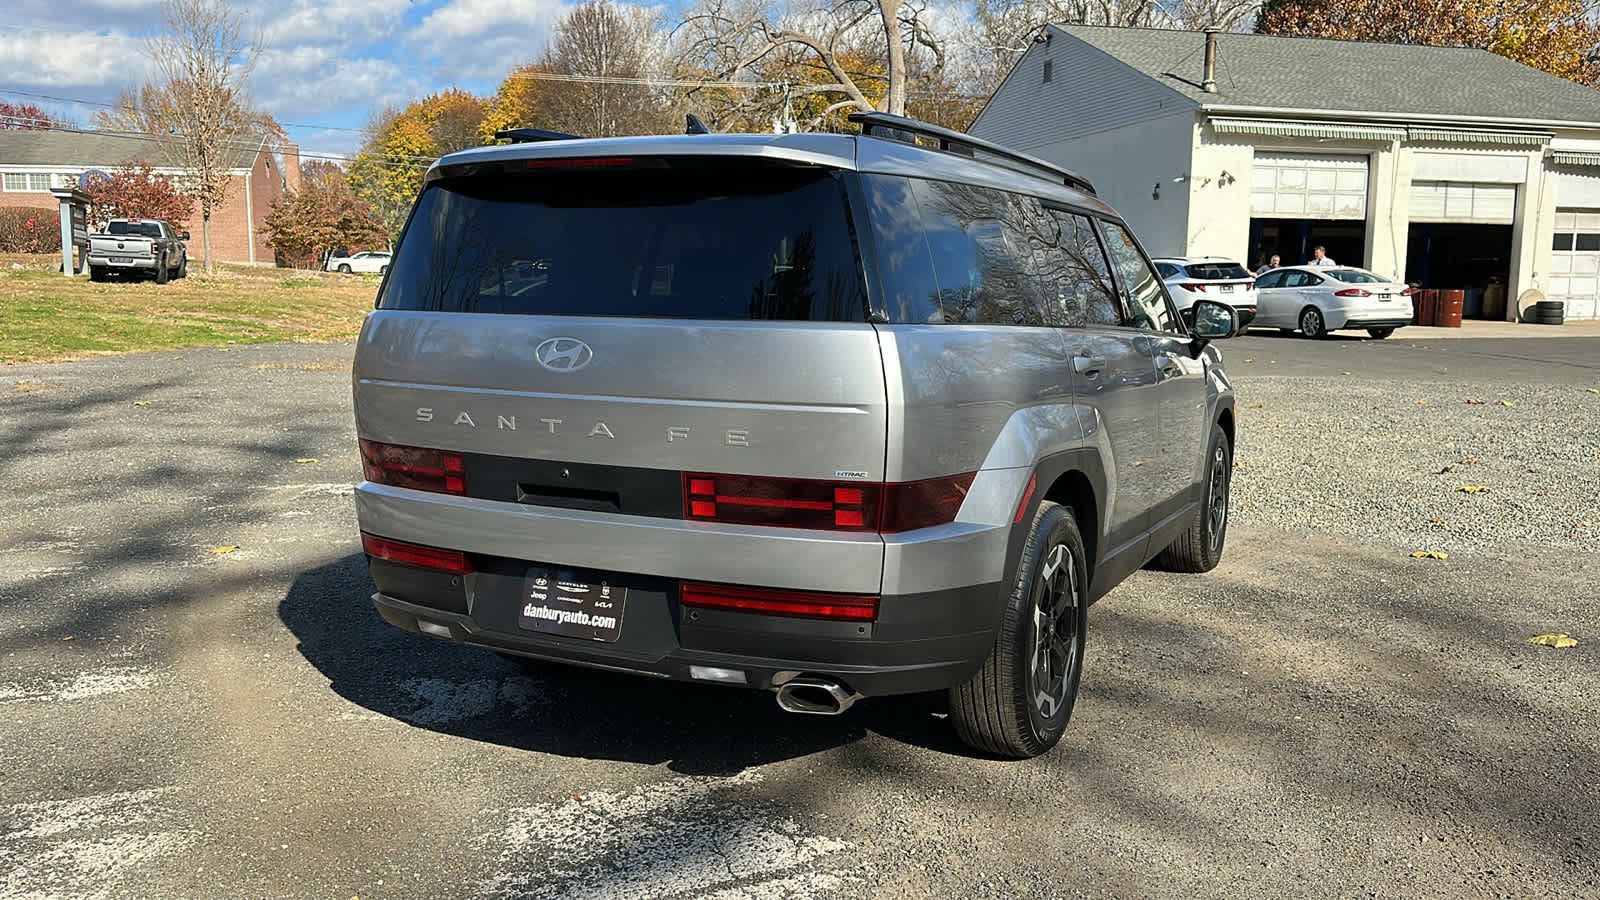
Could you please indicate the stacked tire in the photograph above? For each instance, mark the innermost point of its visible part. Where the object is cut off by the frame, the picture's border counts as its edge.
(1546, 312)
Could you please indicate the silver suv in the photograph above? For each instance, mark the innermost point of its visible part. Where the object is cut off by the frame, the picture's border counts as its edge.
(827, 415)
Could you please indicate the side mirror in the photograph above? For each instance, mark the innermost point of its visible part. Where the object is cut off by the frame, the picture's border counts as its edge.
(186, 235)
(1211, 321)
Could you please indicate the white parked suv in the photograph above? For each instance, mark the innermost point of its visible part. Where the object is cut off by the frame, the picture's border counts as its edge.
(368, 261)
(1209, 277)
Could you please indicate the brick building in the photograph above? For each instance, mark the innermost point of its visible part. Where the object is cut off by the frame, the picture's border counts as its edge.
(33, 162)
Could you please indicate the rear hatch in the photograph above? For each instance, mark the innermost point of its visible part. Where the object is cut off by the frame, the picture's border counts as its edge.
(1228, 282)
(590, 333)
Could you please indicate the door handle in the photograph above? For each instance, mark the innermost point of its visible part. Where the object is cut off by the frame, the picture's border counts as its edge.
(1170, 368)
(1088, 366)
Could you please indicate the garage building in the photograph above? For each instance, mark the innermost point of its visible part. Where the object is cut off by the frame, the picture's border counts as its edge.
(1446, 167)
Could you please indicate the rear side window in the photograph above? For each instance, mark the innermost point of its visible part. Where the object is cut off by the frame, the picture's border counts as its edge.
(1270, 280)
(982, 241)
(1356, 276)
(1146, 299)
(697, 239)
(1086, 291)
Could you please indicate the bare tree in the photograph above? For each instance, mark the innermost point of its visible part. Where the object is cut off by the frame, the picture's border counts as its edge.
(203, 61)
(1006, 27)
(609, 55)
(762, 41)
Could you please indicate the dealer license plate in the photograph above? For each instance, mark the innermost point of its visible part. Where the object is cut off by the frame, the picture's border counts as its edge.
(556, 602)
(1226, 288)
(122, 259)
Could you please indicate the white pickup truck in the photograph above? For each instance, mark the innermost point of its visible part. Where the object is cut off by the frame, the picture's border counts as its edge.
(136, 247)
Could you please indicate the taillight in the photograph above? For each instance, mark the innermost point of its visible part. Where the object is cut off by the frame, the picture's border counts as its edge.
(1406, 292)
(777, 602)
(1192, 286)
(440, 471)
(451, 561)
(1352, 292)
(1249, 285)
(828, 505)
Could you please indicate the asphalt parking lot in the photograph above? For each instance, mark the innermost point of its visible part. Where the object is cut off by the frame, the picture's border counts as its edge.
(1322, 715)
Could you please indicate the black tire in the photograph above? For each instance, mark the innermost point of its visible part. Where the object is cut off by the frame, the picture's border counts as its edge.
(1379, 334)
(183, 269)
(162, 273)
(344, 269)
(1551, 306)
(97, 273)
(383, 270)
(1200, 547)
(1312, 325)
(1018, 704)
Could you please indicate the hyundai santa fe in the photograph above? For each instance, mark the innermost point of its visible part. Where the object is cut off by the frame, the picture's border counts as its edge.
(832, 416)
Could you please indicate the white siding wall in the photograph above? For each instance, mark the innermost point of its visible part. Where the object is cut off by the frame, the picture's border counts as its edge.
(1126, 164)
(1089, 92)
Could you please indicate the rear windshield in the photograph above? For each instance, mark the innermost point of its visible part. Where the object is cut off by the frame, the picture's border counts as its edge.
(698, 240)
(1355, 276)
(1216, 271)
(142, 229)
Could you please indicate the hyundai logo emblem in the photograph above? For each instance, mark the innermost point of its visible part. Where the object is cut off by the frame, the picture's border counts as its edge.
(563, 354)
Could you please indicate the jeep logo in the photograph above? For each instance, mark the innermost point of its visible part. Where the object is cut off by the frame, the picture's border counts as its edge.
(563, 354)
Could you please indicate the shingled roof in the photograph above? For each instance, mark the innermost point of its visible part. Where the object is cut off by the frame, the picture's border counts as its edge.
(86, 149)
(1268, 71)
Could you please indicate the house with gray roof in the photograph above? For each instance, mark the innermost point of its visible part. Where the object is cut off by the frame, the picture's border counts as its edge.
(1446, 167)
(33, 162)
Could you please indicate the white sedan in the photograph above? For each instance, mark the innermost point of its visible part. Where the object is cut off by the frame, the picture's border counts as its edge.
(365, 261)
(1315, 300)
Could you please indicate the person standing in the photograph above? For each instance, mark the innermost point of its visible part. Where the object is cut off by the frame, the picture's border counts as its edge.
(1272, 262)
(1319, 257)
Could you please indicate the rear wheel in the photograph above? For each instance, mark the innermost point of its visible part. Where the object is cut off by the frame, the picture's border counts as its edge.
(1379, 334)
(183, 269)
(1311, 323)
(1019, 702)
(162, 274)
(383, 270)
(344, 268)
(1199, 549)
(97, 273)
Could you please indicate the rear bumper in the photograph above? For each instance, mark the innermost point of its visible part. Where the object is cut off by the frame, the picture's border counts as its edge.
(948, 637)
(121, 262)
(940, 588)
(1369, 321)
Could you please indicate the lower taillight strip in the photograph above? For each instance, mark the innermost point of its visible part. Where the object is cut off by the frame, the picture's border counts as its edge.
(781, 602)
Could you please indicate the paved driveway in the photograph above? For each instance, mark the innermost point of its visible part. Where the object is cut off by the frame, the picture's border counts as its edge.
(1323, 715)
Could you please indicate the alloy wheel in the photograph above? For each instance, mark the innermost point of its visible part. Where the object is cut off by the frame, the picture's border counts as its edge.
(1055, 631)
(1217, 512)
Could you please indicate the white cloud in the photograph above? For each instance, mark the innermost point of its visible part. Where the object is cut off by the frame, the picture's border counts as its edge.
(356, 23)
(470, 18)
(64, 59)
(306, 83)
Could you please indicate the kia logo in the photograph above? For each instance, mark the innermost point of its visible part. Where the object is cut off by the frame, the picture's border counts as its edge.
(563, 354)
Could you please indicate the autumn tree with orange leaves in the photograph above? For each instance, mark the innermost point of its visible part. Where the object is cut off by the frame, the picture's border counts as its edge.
(1554, 36)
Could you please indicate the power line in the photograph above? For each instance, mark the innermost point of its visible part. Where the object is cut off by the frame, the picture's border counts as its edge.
(168, 139)
(126, 107)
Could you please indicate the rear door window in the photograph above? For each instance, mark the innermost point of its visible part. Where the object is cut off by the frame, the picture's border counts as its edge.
(983, 244)
(696, 239)
(1085, 289)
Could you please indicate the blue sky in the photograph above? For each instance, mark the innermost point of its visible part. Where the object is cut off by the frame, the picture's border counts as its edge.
(328, 63)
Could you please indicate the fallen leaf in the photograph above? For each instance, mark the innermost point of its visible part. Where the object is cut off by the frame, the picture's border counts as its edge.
(222, 349)
(1507, 403)
(67, 638)
(1472, 489)
(141, 403)
(220, 550)
(1136, 464)
(1429, 554)
(1560, 641)
(1593, 390)
(1249, 360)
(1344, 373)
(1422, 403)
(307, 459)
(1474, 402)
(1445, 469)
(1252, 406)
(1471, 462)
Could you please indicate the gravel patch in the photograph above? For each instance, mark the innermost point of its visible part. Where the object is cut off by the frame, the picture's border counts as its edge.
(1379, 462)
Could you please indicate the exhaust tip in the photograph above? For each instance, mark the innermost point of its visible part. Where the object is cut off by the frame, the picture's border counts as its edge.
(815, 695)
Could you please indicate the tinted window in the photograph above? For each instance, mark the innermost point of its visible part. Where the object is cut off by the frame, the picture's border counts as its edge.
(982, 242)
(701, 239)
(138, 229)
(1355, 276)
(1084, 287)
(911, 294)
(1142, 291)
(1270, 280)
(1589, 242)
(1214, 271)
(1166, 270)
(1562, 242)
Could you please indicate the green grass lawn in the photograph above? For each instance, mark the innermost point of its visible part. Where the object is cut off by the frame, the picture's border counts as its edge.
(46, 316)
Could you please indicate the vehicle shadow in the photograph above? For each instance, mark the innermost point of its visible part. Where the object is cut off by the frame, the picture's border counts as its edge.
(568, 711)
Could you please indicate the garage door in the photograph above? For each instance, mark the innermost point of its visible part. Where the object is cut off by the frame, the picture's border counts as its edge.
(1575, 262)
(1459, 201)
(1305, 186)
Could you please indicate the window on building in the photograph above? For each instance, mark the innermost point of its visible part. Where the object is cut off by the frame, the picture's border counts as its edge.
(1049, 70)
(26, 181)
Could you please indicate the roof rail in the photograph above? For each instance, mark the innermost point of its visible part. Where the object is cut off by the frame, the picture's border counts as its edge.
(896, 128)
(532, 136)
